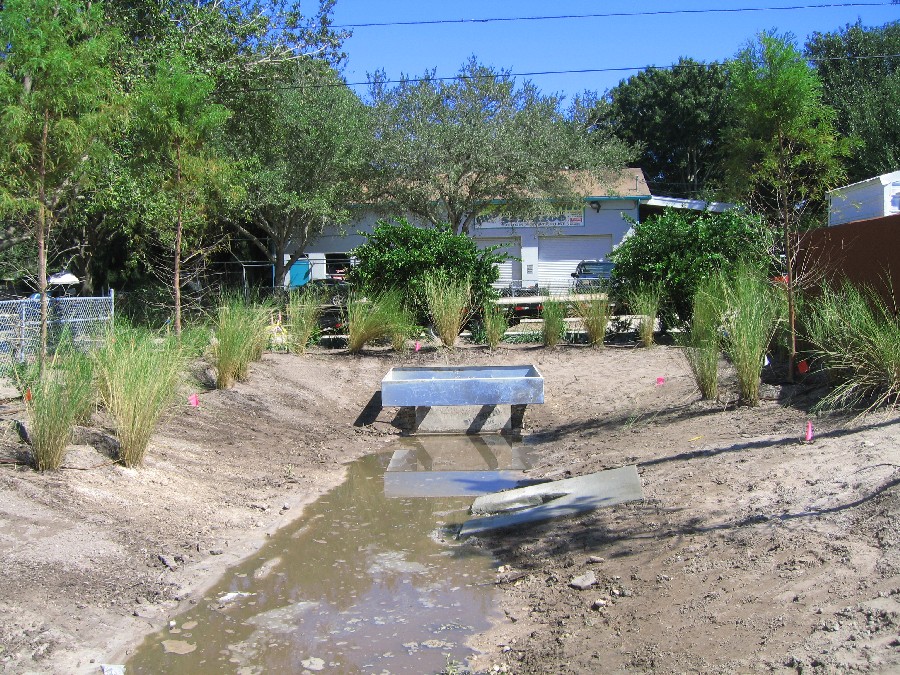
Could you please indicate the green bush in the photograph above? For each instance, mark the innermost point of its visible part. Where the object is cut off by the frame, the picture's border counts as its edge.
(137, 374)
(399, 255)
(553, 328)
(749, 318)
(702, 343)
(676, 250)
(856, 337)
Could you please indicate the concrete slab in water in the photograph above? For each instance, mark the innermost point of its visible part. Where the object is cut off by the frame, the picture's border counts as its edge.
(462, 385)
(556, 499)
(465, 419)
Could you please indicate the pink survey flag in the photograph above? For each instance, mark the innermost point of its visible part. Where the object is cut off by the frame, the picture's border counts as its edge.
(660, 381)
(194, 400)
(418, 345)
(809, 431)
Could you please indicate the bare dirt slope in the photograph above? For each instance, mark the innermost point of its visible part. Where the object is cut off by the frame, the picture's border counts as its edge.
(754, 551)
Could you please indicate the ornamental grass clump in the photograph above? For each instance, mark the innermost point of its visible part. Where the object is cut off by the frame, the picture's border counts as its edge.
(553, 316)
(137, 373)
(495, 324)
(749, 319)
(702, 344)
(594, 312)
(644, 302)
(375, 317)
(240, 337)
(303, 311)
(856, 337)
(448, 301)
(56, 401)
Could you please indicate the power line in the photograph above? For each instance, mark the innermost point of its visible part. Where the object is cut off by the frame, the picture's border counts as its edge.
(608, 15)
(535, 73)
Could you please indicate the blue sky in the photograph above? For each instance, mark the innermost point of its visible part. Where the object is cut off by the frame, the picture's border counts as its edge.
(571, 44)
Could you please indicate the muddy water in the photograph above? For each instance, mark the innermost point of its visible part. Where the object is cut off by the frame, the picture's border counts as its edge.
(362, 583)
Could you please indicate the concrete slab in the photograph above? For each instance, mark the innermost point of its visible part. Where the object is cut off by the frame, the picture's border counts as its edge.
(462, 385)
(555, 499)
(461, 419)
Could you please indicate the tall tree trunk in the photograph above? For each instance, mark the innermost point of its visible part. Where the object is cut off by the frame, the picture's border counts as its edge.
(791, 290)
(179, 228)
(41, 237)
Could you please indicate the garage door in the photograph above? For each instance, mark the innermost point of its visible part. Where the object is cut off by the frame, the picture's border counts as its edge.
(559, 256)
(510, 270)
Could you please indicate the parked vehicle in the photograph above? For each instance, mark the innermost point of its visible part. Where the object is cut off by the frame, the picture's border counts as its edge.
(592, 274)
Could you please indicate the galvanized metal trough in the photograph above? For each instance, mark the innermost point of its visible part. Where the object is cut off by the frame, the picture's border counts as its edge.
(462, 399)
(462, 385)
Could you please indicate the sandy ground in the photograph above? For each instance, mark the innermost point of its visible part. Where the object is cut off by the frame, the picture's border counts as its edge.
(754, 550)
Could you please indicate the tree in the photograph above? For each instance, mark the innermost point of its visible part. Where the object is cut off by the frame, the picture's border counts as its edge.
(675, 118)
(860, 73)
(783, 150)
(679, 249)
(301, 148)
(398, 255)
(450, 151)
(57, 96)
(174, 124)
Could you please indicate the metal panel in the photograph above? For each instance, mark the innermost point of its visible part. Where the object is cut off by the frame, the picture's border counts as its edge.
(559, 256)
(462, 385)
(511, 270)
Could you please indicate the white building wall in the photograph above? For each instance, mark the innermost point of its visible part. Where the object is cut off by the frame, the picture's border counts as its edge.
(872, 198)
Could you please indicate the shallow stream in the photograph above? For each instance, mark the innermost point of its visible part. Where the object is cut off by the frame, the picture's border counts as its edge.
(361, 583)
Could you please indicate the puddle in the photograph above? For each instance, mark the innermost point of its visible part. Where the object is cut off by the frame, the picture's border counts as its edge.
(362, 583)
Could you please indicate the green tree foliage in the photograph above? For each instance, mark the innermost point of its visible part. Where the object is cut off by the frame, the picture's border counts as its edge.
(449, 151)
(301, 148)
(400, 255)
(677, 250)
(174, 121)
(783, 149)
(864, 90)
(674, 118)
(57, 96)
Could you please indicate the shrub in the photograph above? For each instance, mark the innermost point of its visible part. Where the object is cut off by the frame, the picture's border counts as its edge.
(303, 310)
(643, 300)
(495, 324)
(448, 304)
(702, 344)
(400, 255)
(676, 250)
(376, 317)
(750, 313)
(594, 313)
(856, 336)
(241, 333)
(553, 315)
(137, 375)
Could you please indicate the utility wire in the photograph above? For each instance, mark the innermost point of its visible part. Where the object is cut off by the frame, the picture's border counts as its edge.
(580, 71)
(608, 15)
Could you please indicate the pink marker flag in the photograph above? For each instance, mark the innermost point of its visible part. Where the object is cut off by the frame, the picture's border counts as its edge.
(660, 381)
(809, 433)
(418, 345)
(194, 400)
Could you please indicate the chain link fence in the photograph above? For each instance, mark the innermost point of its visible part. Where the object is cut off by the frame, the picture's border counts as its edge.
(84, 320)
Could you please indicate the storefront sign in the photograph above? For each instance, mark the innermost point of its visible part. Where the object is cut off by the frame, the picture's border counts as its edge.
(564, 219)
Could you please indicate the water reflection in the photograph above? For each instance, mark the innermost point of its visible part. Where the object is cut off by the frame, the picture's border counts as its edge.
(361, 584)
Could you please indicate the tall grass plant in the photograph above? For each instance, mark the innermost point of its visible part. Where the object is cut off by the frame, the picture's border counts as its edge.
(495, 324)
(644, 301)
(749, 319)
(449, 304)
(303, 310)
(137, 375)
(241, 334)
(553, 327)
(702, 343)
(594, 312)
(375, 317)
(856, 337)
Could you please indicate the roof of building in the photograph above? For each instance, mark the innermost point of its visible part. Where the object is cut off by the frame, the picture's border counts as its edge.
(627, 183)
(884, 179)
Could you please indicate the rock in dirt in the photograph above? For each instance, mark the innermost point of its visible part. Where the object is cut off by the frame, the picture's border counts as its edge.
(584, 582)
